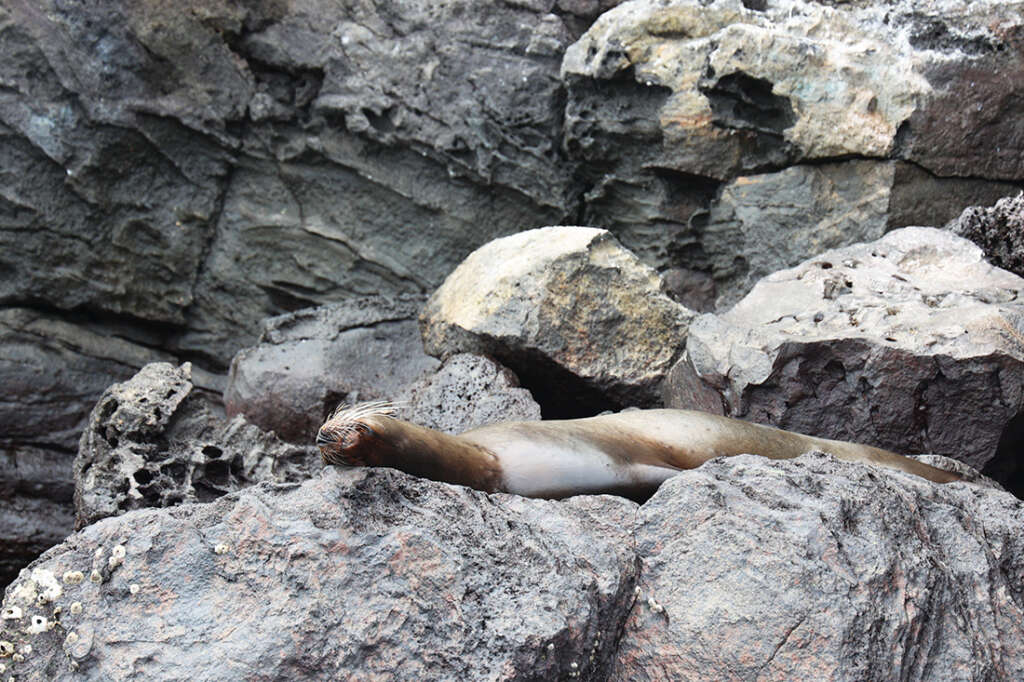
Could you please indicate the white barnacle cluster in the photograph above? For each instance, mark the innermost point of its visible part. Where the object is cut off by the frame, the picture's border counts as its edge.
(655, 606)
(73, 578)
(116, 556)
(221, 548)
(48, 586)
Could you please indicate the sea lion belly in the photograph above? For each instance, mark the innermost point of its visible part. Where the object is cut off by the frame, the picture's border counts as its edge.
(555, 460)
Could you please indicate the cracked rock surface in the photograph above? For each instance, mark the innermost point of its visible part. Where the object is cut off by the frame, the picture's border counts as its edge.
(568, 309)
(912, 342)
(781, 570)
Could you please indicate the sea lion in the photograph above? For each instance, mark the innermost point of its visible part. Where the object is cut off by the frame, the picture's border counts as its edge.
(629, 453)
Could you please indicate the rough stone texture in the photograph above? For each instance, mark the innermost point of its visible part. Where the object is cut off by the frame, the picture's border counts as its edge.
(467, 391)
(810, 568)
(360, 574)
(912, 343)
(36, 509)
(579, 319)
(667, 100)
(155, 441)
(763, 223)
(51, 374)
(815, 568)
(998, 230)
(310, 361)
(210, 164)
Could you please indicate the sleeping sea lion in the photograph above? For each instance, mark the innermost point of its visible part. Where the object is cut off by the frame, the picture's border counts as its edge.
(629, 453)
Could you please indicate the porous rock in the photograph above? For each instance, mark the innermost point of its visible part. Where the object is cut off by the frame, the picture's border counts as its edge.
(359, 574)
(815, 568)
(579, 319)
(912, 343)
(998, 230)
(52, 372)
(467, 391)
(156, 441)
(309, 362)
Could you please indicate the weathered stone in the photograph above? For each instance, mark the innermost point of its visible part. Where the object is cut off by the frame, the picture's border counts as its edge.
(159, 156)
(744, 89)
(815, 568)
(666, 100)
(579, 319)
(52, 372)
(310, 361)
(912, 343)
(969, 126)
(155, 441)
(467, 391)
(763, 223)
(36, 505)
(998, 230)
(744, 565)
(360, 574)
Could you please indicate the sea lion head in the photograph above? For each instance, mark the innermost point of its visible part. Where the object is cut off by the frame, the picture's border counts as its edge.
(348, 434)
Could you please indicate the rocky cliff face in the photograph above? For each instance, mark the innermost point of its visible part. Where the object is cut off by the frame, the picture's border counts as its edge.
(174, 175)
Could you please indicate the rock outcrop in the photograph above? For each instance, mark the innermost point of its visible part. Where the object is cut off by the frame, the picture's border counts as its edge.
(157, 441)
(309, 362)
(686, 112)
(358, 574)
(577, 317)
(745, 567)
(912, 342)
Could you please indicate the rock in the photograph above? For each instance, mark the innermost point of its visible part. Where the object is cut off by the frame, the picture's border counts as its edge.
(967, 126)
(383, 144)
(271, 582)
(998, 230)
(814, 568)
(763, 223)
(36, 505)
(578, 318)
(155, 441)
(310, 361)
(669, 101)
(467, 391)
(743, 567)
(159, 163)
(52, 373)
(911, 343)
